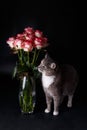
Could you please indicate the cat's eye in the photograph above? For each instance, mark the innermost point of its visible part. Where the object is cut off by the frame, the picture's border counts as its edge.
(44, 66)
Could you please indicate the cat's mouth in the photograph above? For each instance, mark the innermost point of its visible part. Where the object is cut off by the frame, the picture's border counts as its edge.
(39, 69)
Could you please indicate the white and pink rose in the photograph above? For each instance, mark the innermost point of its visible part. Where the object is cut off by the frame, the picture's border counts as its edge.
(38, 33)
(28, 40)
(29, 30)
(10, 42)
(27, 46)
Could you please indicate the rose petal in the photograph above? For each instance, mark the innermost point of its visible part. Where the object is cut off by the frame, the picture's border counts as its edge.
(38, 33)
(27, 46)
(10, 42)
(18, 43)
(29, 30)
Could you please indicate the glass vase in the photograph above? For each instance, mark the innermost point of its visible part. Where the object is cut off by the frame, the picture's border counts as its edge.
(27, 94)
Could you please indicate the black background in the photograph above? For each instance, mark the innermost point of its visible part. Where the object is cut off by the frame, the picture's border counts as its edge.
(64, 24)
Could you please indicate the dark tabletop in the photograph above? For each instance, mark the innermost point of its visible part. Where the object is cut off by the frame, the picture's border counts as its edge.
(11, 118)
(65, 27)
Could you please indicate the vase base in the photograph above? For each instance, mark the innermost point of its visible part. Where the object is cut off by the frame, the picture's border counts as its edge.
(25, 113)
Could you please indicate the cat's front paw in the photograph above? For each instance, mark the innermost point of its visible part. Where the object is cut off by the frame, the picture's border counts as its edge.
(69, 105)
(47, 111)
(55, 113)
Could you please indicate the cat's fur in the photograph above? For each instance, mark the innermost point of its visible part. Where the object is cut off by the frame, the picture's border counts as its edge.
(58, 82)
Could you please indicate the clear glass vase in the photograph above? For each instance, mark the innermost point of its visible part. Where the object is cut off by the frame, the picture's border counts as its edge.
(27, 94)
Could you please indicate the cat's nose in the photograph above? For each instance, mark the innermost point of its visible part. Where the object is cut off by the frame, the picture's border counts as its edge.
(39, 69)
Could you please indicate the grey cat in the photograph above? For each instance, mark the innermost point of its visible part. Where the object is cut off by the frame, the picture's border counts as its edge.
(58, 82)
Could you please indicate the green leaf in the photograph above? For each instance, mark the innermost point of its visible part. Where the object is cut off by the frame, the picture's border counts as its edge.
(14, 72)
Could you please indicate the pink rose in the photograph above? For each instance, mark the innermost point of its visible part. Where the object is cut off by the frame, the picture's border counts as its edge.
(29, 37)
(38, 43)
(29, 30)
(27, 46)
(28, 40)
(38, 33)
(18, 43)
(10, 42)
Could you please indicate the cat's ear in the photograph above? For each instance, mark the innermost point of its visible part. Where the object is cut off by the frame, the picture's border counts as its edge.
(46, 55)
(53, 65)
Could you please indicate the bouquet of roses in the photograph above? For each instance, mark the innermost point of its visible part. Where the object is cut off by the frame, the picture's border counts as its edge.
(27, 46)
